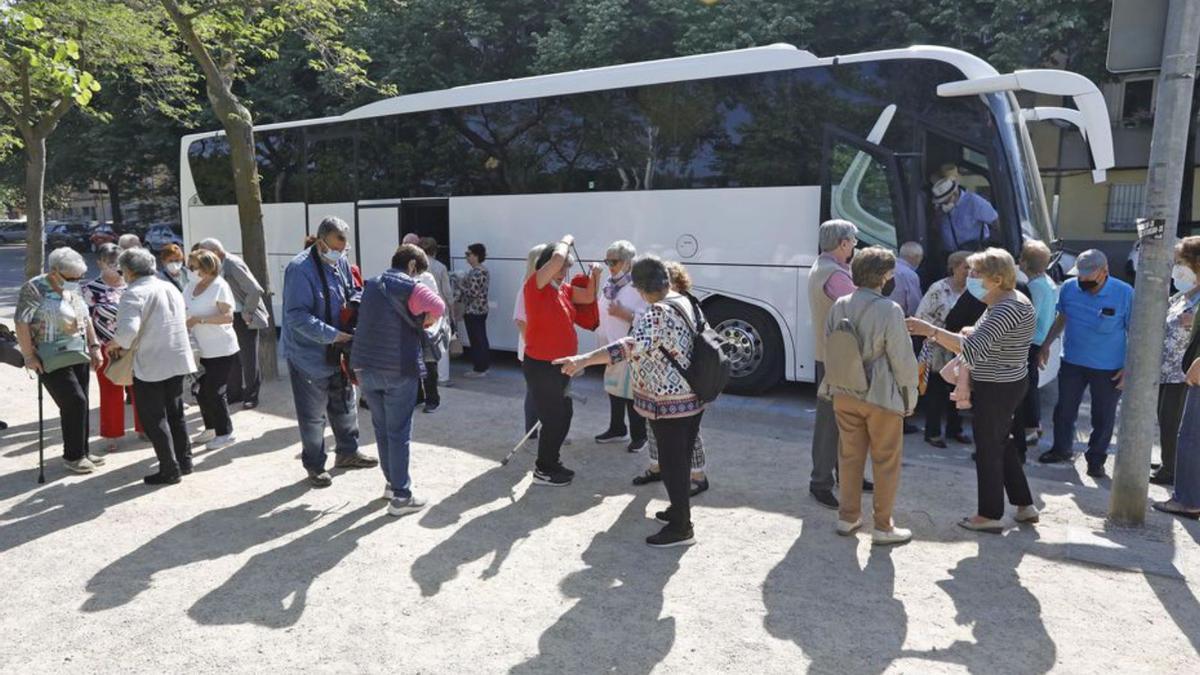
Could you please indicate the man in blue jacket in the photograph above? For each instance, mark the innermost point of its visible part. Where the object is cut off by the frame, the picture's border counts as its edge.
(316, 287)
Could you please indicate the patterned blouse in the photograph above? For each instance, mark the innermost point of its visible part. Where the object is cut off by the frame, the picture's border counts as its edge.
(51, 316)
(1176, 338)
(935, 306)
(102, 301)
(659, 389)
(474, 291)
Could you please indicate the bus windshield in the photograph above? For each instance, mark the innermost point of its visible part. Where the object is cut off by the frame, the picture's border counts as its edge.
(1030, 200)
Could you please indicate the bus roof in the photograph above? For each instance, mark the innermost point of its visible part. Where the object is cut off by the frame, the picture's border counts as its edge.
(701, 66)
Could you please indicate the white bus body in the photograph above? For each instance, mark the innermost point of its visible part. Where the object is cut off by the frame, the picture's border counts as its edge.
(730, 200)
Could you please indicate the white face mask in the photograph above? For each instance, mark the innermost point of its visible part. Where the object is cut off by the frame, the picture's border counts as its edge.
(1184, 278)
(174, 267)
(947, 207)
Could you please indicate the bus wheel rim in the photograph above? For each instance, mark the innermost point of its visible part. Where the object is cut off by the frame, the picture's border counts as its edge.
(748, 349)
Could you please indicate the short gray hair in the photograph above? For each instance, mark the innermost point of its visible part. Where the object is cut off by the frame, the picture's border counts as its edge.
(107, 254)
(625, 250)
(834, 232)
(871, 265)
(66, 261)
(911, 250)
(212, 244)
(128, 241)
(331, 224)
(650, 275)
(138, 261)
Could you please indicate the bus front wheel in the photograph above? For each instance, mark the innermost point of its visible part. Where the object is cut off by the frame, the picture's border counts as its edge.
(757, 356)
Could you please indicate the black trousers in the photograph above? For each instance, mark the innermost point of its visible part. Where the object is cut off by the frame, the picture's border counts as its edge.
(214, 407)
(481, 354)
(244, 375)
(550, 389)
(160, 407)
(68, 387)
(617, 409)
(998, 469)
(939, 405)
(1171, 398)
(1031, 406)
(675, 438)
(428, 392)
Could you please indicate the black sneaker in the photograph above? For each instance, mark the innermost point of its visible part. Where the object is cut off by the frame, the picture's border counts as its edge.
(320, 479)
(186, 469)
(564, 470)
(825, 498)
(1096, 471)
(668, 537)
(553, 478)
(611, 436)
(636, 446)
(161, 479)
(1054, 457)
(663, 516)
(431, 407)
(1161, 477)
(868, 486)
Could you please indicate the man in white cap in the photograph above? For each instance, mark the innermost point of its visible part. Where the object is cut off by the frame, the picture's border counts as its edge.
(1094, 311)
(964, 218)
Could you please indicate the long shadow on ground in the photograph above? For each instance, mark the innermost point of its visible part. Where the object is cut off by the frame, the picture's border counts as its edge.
(620, 596)
(818, 594)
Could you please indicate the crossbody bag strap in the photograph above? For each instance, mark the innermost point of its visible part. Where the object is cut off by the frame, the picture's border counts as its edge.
(663, 349)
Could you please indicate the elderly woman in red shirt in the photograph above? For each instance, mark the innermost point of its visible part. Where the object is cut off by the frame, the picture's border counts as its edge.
(549, 335)
(661, 394)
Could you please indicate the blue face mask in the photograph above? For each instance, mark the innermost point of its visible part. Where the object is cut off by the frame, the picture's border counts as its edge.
(331, 256)
(975, 288)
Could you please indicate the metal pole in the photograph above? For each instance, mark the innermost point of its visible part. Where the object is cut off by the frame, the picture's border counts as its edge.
(1164, 182)
(41, 436)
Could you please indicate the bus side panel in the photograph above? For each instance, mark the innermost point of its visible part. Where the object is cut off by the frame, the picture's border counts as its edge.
(748, 243)
(283, 229)
(379, 232)
(220, 222)
(805, 370)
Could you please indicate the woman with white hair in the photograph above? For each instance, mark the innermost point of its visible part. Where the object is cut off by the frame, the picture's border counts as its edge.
(152, 321)
(58, 341)
(620, 305)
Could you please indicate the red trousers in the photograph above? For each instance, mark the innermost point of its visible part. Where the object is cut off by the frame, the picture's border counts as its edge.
(112, 407)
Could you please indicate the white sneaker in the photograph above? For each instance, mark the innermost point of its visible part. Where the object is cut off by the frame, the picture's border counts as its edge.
(388, 493)
(83, 465)
(400, 507)
(475, 374)
(204, 436)
(219, 442)
(1027, 514)
(897, 535)
(97, 460)
(846, 528)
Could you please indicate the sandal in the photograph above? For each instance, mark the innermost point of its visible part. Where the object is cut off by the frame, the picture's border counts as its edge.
(699, 486)
(648, 477)
(988, 525)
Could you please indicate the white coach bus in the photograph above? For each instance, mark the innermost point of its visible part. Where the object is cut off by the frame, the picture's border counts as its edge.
(727, 162)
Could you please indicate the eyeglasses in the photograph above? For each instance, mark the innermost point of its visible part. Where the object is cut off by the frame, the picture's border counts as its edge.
(611, 262)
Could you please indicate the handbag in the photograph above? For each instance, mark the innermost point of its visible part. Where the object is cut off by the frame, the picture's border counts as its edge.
(119, 371)
(618, 380)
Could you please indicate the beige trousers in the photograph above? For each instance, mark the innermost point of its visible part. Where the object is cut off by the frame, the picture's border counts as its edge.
(865, 429)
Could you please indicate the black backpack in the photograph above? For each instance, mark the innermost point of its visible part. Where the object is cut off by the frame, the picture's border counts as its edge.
(708, 372)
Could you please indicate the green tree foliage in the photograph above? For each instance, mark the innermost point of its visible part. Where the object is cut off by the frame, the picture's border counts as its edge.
(53, 56)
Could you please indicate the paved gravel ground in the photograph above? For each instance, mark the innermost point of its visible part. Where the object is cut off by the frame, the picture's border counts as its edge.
(243, 568)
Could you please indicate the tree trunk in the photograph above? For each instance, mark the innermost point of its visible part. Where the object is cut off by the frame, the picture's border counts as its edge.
(35, 189)
(114, 202)
(239, 130)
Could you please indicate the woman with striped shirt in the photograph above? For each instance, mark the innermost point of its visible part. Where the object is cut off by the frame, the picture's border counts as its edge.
(997, 352)
(103, 295)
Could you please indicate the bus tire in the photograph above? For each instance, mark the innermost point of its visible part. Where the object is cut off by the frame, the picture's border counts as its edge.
(758, 346)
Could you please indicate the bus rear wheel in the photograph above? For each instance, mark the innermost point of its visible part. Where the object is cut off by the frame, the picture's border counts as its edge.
(757, 356)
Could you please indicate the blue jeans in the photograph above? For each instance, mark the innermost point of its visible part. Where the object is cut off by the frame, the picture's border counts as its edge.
(1072, 380)
(319, 399)
(392, 398)
(1187, 454)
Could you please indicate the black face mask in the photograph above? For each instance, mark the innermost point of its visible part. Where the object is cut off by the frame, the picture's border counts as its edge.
(1089, 285)
(888, 286)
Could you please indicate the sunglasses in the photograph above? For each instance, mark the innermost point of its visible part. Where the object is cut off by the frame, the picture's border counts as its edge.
(611, 262)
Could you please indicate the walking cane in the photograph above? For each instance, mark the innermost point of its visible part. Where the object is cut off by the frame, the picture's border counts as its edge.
(41, 436)
(508, 458)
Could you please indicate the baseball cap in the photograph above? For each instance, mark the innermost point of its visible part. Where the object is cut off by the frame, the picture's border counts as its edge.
(943, 189)
(1088, 262)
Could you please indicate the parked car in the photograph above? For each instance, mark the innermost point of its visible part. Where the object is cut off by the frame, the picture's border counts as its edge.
(102, 233)
(160, 235)
(59, 234)
(12, 231)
